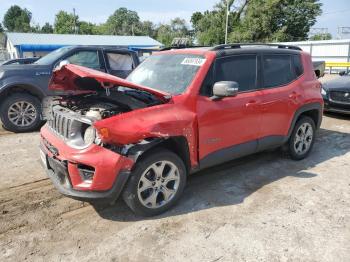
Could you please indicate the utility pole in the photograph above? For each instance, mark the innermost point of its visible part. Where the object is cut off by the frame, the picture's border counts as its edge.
(75, 29)
(227, 14)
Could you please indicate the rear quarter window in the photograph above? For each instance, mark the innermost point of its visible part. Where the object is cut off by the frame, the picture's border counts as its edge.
(277, 70)
(298, 65)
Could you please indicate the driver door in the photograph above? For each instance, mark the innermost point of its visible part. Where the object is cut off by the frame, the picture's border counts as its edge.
(229, 127)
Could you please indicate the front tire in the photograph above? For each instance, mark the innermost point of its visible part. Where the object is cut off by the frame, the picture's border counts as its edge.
(156, 183)
(302, 138)
(21, 112)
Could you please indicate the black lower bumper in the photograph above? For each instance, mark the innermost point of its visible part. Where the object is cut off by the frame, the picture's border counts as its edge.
(336, 107)
(58, 174)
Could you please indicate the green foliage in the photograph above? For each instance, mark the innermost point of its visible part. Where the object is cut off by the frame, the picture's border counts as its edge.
(1, 28)
(257, 21)
(123, 22)
(87, 28)
(64, 23)
(17, 19)
(317, 37)
(47, 28)
(167, 32)
(210, 26)
(276, 20)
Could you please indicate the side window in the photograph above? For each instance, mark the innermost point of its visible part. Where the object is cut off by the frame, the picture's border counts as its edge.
(122, 62)
(298, 66)
(278, 70)
(207, 86)
(241, 69)
(85, 58)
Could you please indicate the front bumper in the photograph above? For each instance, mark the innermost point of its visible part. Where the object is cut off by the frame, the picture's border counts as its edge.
(336, 107)
(108, 171)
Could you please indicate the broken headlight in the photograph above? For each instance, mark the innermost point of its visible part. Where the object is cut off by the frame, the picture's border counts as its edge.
(89, 135)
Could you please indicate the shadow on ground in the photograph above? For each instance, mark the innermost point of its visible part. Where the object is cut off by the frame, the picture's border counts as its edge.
(233, 182)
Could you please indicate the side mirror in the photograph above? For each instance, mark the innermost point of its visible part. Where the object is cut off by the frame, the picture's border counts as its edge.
(225, 89)
(342, 73)
(61, 64)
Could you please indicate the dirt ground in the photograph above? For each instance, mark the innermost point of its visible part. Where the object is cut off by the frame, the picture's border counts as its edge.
(264, 207)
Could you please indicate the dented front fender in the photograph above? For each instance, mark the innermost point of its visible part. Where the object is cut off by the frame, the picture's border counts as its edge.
(162, 121)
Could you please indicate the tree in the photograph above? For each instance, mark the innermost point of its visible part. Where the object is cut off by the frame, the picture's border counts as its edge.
(123, 22)
(278, 20)
(210, 26)
(66, 23)
(326, 36)
(17, 19)
(176, 28)
(47, 28)
(87, 28)
(1, 28)
(148, 28)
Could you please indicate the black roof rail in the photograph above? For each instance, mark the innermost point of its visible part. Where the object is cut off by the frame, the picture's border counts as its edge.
(238, 45)
(182, 47)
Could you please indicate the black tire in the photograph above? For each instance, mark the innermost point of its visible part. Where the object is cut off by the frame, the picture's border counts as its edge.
(130, 193)
(293, 153)
(31, 125)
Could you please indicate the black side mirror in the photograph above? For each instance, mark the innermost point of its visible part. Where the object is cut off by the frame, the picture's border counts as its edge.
(342, 73)
(225, 89)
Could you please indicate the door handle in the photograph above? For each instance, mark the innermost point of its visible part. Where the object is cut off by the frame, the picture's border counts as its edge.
(250, 103)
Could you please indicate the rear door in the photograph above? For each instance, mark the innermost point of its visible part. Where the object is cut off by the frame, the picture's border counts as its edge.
(281, 94)
(87, 58)
(119, 63)
(229, 127)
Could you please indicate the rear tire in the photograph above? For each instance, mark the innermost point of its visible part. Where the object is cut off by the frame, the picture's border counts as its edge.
(156, 183)
(302, 138)
(21, 112)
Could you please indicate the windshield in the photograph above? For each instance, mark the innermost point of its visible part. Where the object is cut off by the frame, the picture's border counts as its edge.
(50, 58)
(169, 73)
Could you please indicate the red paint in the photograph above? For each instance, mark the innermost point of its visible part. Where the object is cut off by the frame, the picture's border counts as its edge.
(64, 80)
(207, 125)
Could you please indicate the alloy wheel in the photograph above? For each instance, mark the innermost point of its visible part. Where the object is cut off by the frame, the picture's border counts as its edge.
(158, 184)
(22, 113)
(303, 138)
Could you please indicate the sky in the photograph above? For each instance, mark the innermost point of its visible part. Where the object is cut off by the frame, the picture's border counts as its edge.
(335, 12)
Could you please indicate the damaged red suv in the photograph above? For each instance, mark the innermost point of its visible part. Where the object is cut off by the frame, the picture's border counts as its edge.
(179, 112)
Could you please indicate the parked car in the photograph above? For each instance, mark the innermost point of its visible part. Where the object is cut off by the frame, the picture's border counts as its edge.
(179, 112)
(336, 94)
(20, 61)
(22, 87)
(320, 68)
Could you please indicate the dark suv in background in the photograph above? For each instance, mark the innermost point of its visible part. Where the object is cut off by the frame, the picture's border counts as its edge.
(22, 87)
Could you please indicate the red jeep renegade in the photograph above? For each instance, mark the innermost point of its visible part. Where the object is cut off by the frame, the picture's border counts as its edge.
(179, 112)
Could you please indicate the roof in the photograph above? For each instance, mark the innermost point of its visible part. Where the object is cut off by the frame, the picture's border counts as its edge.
(18, 39)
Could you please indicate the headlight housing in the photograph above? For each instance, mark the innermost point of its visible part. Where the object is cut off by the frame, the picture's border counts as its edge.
(323, 91)
(2, 74)
(89, 135)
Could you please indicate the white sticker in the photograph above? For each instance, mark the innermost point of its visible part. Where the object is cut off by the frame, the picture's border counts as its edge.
(194, 61)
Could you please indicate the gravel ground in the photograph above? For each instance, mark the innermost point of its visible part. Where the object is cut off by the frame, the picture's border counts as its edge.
(264, 207)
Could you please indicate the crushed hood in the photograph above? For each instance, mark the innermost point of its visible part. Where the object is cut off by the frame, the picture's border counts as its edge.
(74, 78)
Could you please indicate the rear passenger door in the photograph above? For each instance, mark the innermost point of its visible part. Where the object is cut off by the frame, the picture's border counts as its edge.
(119, 63)
(86, 58)
(229, 127)
(281, 95)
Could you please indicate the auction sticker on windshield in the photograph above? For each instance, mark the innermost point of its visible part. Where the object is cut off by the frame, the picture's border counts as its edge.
(194, 61)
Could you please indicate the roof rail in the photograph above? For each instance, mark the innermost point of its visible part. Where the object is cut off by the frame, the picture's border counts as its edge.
(238, 45)
(182, 47)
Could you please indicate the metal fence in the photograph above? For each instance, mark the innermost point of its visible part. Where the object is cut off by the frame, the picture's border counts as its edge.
(334, 52)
